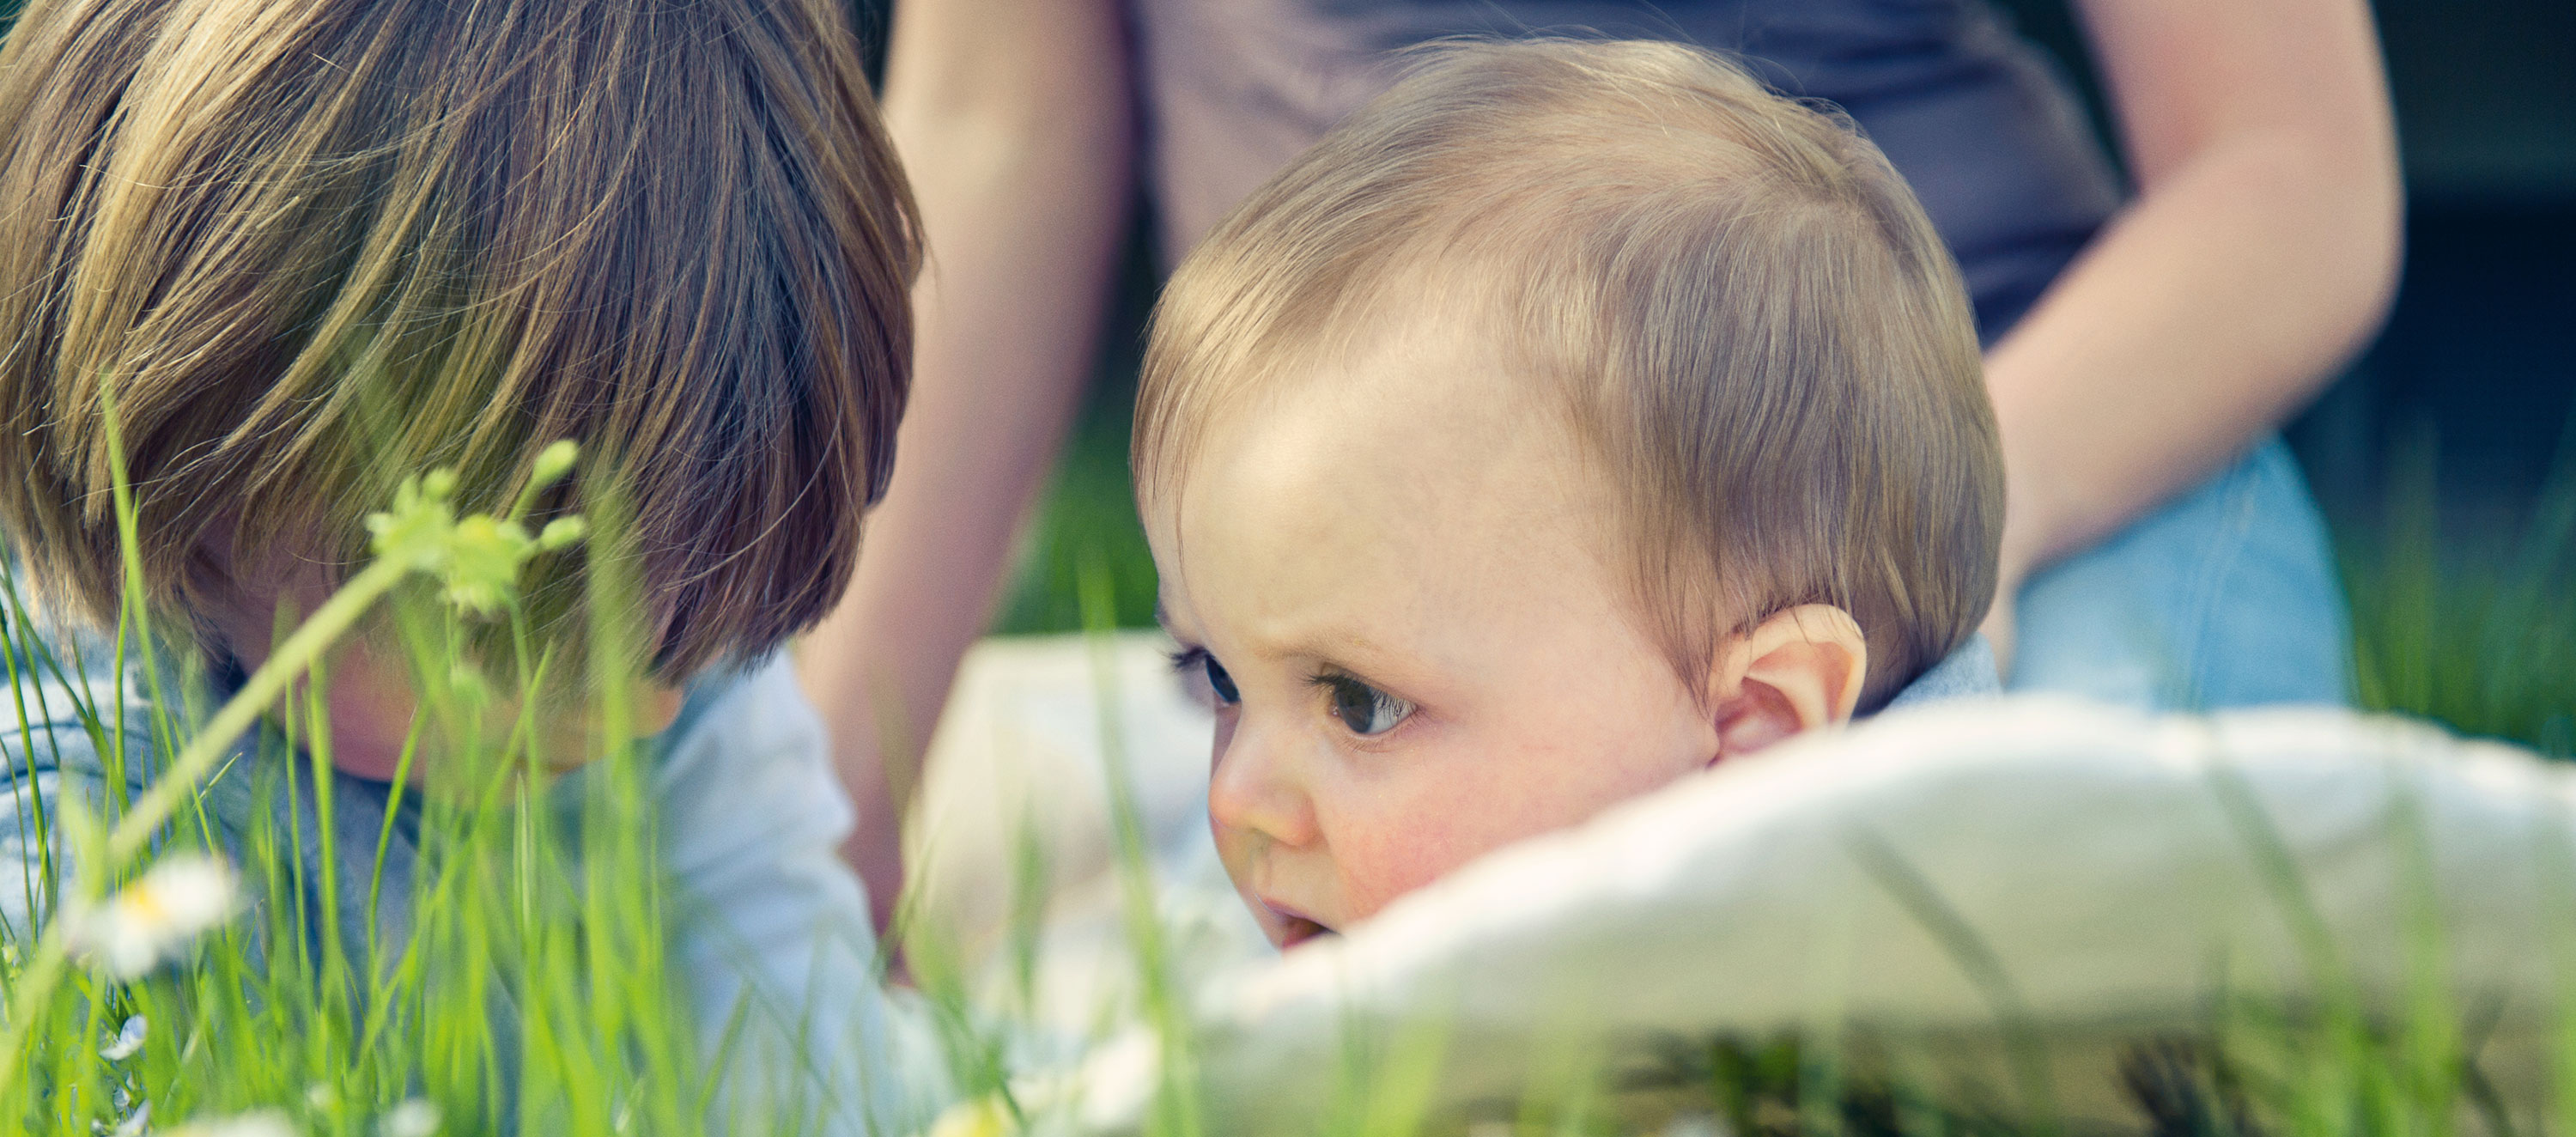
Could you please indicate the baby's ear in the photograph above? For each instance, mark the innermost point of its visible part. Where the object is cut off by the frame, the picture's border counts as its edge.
(1799, 670)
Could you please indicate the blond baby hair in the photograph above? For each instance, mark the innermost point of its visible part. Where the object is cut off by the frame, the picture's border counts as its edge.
(1745, 314)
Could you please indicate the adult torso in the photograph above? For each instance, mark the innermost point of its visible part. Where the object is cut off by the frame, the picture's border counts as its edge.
(1974, 117)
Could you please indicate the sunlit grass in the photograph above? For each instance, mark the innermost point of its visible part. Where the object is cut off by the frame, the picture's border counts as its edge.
(521, 983)
(534, 991)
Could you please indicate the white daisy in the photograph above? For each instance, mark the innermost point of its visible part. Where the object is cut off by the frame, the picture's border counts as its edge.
(147, 921)
(136, 1124)
(128, 1041)
(257, 1123)
(982, 1117)
(412, 1118)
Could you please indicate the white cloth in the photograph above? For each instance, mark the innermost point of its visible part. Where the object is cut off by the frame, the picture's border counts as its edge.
(2086, 875)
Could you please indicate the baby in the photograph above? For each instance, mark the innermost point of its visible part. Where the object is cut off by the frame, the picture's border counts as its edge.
(1577, 416)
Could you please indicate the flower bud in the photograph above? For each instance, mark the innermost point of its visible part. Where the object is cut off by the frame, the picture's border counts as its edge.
(562, 531)
(554, 462)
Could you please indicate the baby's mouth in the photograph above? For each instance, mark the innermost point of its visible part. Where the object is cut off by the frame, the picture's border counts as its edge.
(1295, 927)
(1295, 930)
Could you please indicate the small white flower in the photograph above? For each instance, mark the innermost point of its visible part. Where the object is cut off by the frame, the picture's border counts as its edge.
(1120, 1078)
(147, 921)
(412, 1118)
(136, 1124)
(321, 1098)
(982, 1117)
(257, 1123)
(128, 1041)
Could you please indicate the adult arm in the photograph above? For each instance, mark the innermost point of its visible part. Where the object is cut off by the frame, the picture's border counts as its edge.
(2260, 252)
(1015, 123)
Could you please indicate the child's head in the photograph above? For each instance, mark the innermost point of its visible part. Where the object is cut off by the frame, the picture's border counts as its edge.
(1576, 415)
(315, 245)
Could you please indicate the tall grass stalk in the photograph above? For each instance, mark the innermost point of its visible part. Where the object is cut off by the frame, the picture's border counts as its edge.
(2474, 630)
(522, 982)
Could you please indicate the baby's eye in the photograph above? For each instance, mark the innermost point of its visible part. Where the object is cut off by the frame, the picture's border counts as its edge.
(1219, 681)
(1364, 709)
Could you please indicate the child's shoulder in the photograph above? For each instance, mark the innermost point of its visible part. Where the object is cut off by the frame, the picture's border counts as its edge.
(76, 699)
(1967, 672)
(745, 770)
(75, 718)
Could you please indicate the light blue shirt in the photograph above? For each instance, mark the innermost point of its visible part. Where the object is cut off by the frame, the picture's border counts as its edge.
(1966, 673)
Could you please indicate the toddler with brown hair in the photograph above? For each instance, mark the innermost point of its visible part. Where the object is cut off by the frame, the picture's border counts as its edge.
(315, 246)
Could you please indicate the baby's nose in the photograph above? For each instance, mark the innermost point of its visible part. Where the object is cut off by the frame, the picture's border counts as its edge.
(1257, 787)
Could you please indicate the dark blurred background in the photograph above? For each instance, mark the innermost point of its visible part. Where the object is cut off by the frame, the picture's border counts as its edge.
(2478, 361)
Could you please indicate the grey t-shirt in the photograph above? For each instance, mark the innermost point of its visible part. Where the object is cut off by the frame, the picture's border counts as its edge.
(1978, 121)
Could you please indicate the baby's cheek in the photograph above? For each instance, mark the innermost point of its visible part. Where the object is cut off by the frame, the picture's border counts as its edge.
(1410, 840)
(1397, 851)
(1375, 876)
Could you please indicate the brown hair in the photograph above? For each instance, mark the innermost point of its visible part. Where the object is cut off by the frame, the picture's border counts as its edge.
(1741, 307)
(315, 245)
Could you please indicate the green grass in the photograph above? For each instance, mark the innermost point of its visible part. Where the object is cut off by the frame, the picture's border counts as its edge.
(2473, 629)
(536, 992)
(1087, 518)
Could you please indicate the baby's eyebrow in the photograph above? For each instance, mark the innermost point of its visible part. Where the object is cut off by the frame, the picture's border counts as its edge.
(1352, 652)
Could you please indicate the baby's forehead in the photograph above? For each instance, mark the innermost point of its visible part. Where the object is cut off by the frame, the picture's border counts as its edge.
(1324, 521)
(1421, 390)
(1412, 391)
(1414, 446)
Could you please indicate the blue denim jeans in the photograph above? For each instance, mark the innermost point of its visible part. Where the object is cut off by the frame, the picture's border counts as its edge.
(2226, 597)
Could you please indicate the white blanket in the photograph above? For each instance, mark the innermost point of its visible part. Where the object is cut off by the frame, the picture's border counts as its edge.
(1953, 879)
